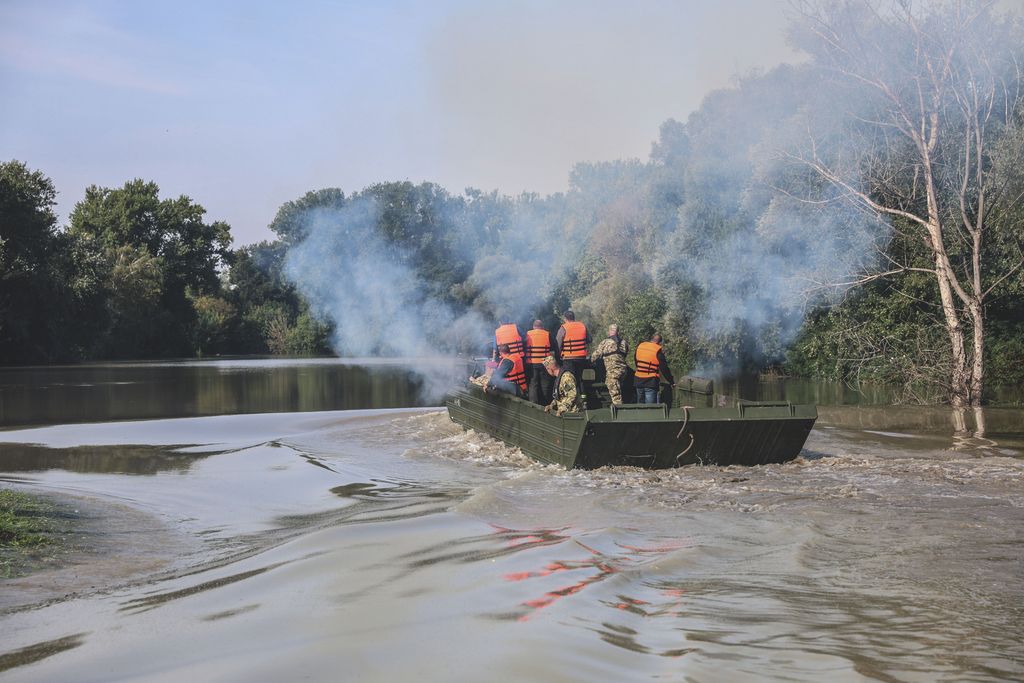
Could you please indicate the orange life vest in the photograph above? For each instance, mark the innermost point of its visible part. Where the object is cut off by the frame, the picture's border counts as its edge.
(574, 343)
(508, 334)
(517, 374)
(538, 346)
(647, 363)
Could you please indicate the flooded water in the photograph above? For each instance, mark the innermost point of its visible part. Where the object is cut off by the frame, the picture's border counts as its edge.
(381, 542)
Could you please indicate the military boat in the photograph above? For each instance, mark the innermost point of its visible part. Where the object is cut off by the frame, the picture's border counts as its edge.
(704, 428)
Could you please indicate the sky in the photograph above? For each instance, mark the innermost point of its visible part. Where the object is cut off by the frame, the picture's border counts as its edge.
(243, 106)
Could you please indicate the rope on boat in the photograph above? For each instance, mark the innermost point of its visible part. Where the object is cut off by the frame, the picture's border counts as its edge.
(686, 420)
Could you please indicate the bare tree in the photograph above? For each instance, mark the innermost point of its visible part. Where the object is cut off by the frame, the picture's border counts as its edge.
(933, 120)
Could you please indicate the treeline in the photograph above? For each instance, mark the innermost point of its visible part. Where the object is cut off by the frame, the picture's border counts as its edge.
(135, 276)
(791, 222)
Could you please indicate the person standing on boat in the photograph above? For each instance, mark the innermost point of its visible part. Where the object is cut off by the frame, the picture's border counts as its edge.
(650, 365)
(509, 376)
(613, 352)
(573, 339)
(567, 397)
(538, 347)
(507, 333)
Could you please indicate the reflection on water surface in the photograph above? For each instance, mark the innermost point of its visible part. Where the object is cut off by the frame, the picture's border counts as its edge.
(125, 391)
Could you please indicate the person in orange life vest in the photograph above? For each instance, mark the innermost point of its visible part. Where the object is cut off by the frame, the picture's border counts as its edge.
(538, 347)
(572, 340)
(507, 332)
(650, 365)
(509, 376)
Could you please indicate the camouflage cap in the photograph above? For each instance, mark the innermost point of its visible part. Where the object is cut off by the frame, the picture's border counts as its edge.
(549, 361)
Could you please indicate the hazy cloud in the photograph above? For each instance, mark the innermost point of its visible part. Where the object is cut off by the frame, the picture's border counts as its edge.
(271, 101)
(75, 43)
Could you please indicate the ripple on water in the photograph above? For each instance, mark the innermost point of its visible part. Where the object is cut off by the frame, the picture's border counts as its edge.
(418, 544)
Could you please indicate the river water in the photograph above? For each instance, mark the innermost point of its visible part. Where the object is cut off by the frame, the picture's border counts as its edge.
(279, 520)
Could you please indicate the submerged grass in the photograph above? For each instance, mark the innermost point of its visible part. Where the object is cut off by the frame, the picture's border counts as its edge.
(30, 531)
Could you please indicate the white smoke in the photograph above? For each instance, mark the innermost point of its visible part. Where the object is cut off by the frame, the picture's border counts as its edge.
(368, 288)
(702, 216)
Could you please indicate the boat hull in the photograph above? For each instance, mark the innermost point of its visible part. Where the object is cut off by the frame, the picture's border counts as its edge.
(649, 436)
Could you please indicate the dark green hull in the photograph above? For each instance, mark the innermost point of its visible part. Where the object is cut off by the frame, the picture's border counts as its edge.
(650, 436)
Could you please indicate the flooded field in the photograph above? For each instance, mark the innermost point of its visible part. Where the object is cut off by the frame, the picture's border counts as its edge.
(371, 540)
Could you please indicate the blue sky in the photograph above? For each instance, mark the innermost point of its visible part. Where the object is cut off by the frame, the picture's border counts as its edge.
(243, 106)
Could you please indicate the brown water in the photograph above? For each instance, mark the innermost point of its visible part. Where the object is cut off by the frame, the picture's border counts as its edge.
(375, 544)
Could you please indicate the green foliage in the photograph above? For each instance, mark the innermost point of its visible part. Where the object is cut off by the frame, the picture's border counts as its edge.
(307, 337)
(161, 255)
(134, 288)
(267, 305)
(215, 318)
(696, 243)
(270, 322)
(1005, 353)
(191, 251)
(271, 327)
(25, 521)
(642, 315)
(28, 225)
(256, 276)
(880, 334)
(29, 283)
(292, 222)
(32, 532)
(422, 221)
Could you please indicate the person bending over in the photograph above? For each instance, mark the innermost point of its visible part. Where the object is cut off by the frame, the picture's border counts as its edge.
(566, 398)
(509, 376)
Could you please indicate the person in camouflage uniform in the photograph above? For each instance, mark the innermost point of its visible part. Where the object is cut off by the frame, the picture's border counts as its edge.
(483, 380)
(613, 350)
(567, 398)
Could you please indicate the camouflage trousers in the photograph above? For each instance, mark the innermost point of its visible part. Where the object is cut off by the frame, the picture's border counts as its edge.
(613, 380)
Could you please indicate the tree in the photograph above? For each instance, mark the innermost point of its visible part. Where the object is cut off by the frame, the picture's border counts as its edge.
(214, 318)
(933, 126)
(134, 288)
(256, 276)
(295, 218)
(172, 229)
(28, 284)
(143, 234)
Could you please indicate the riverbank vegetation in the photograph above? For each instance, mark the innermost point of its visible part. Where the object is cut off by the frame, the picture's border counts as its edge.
(856, 217)
(28, 529)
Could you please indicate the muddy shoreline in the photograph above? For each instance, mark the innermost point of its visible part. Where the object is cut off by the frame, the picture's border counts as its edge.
(101, 546)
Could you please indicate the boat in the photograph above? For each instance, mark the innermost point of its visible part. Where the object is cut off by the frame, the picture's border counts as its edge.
(703, 429)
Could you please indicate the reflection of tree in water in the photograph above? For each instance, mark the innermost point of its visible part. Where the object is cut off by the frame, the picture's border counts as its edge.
(967, 439)
(138, 391)
(119, 459)
(302, 388)
(970, 429)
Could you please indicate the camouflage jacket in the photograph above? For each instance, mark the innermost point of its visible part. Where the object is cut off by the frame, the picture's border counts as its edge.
(613, 353)
(567, 398)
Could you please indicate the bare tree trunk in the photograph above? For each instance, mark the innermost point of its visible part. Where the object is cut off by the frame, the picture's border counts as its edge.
(949, 289)
(978, 364)
(959, 391)
(957, 87)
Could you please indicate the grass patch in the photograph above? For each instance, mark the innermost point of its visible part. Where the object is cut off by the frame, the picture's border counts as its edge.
(28, 530)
